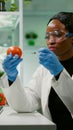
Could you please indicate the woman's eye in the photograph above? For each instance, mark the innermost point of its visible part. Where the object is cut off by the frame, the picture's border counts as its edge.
(57, 34)
(47, 36)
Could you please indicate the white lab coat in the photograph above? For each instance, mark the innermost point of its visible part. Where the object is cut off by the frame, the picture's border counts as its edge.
(35, 95)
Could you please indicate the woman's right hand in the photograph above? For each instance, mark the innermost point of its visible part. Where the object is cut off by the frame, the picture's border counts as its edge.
(10, 64)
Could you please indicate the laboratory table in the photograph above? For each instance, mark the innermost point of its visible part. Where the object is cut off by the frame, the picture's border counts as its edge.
(21, 121)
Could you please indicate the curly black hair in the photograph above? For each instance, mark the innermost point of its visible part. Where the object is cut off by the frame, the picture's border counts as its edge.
(66, 18)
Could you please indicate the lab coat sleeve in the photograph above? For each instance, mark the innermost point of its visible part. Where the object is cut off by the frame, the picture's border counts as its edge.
(64, 88)
(23, 99)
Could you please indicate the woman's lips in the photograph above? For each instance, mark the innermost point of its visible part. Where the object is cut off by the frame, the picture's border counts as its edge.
(52, 48)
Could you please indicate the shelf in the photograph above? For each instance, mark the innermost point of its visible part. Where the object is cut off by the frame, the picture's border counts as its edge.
(9, 12)
(8, 20)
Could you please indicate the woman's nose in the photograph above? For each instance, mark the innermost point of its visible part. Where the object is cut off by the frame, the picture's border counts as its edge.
(51, 40)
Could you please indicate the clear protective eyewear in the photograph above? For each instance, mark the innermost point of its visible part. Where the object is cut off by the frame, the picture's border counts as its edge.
(58, 34)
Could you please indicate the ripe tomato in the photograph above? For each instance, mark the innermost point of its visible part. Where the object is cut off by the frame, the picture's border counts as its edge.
(14, 50)
(2, 99)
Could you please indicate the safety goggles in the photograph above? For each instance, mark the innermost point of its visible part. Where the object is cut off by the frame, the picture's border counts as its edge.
(58, 34)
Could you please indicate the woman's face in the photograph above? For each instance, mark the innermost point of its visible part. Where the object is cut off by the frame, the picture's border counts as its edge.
(56, 38)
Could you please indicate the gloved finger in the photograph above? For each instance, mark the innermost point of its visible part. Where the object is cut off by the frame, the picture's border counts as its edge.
(44, 50)
(14, 64)
(43, 54)
(10, 58)
(12, 72)
(13, 60)
(9, 70)
(43, 58)
(7, 58)
(16, 61)
(15, 56)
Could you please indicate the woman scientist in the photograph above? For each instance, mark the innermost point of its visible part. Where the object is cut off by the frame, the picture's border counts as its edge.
(51, 87)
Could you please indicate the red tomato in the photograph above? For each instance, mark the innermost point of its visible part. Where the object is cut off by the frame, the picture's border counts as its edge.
(2, 99)
(14, 50)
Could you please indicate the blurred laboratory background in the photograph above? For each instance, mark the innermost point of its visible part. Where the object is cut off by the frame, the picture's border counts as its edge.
(23, 23)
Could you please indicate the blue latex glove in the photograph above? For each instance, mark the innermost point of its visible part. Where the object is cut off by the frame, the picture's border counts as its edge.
(50, 61)
(10, 66)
